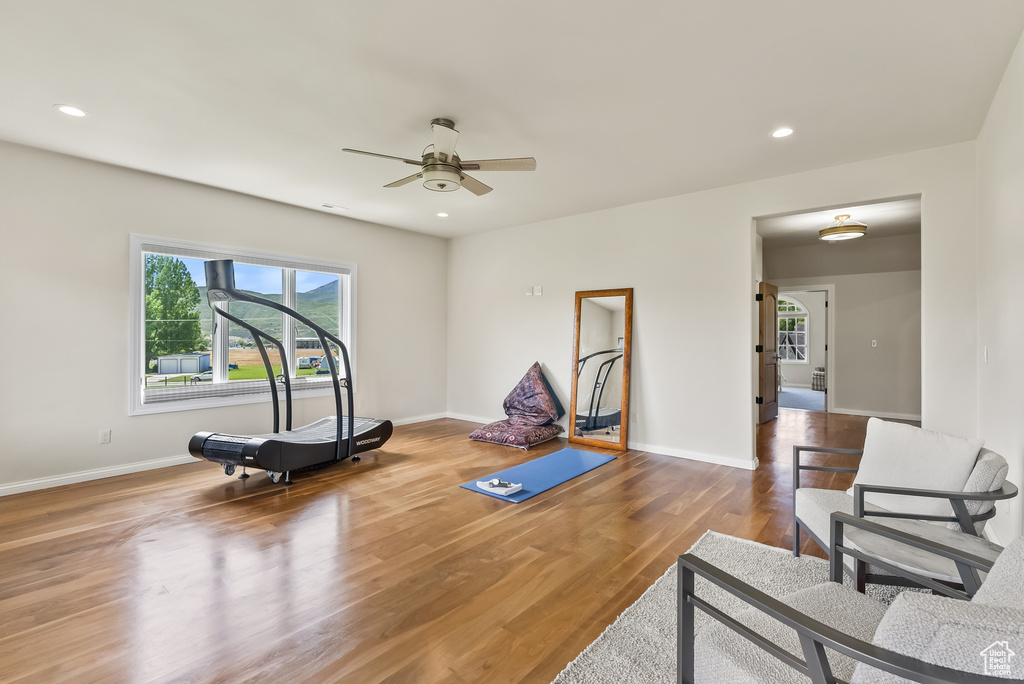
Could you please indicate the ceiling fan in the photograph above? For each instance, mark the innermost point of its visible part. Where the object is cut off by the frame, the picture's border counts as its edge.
(443, 171)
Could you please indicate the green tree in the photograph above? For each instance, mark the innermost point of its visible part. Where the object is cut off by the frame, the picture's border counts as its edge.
(172, 308)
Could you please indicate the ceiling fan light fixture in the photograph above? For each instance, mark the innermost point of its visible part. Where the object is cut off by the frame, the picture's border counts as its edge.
(441, 178)
(843, 228)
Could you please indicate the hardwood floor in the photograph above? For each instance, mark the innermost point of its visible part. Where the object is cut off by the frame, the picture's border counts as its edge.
(377, 571)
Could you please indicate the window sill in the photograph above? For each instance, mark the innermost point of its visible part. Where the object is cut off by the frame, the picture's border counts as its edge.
(201, 403)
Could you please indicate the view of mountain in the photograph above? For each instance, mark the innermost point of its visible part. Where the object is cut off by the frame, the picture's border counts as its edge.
(319, 304)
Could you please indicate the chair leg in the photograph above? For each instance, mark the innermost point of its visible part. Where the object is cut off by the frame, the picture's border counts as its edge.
(796, 538)
(861, 573)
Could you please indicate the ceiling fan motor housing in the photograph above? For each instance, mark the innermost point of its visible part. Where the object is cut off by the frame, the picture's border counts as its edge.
(441, 177)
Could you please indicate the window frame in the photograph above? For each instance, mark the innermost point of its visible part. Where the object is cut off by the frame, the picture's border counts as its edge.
(802, 313)
(140, 245)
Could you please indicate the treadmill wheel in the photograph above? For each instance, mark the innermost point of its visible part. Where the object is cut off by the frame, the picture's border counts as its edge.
(229, 468)
(274, 476)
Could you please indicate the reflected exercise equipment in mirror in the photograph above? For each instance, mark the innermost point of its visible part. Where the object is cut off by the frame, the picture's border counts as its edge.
(600, 355)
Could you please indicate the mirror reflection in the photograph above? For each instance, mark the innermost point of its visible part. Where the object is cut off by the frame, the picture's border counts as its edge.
(600, 383)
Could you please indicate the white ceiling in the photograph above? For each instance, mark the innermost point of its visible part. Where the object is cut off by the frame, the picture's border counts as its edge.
(619, 102)
(883, 219)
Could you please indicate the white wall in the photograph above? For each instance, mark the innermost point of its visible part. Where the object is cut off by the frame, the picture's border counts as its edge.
(690, 261)
(799, 374)
(867, 255)
(66, 224)
(1000, 150)
(880, 381)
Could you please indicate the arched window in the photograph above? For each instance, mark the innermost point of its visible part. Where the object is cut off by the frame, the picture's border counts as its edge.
(793, 327)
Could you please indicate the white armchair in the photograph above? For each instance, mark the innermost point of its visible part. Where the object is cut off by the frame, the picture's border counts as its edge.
(828, 633)
(906, 475)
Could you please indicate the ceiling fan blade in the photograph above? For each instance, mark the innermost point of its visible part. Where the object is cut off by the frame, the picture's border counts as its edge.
(444, 141)
(519, 164)
(384, 156)
(403, 181)
(475, 186)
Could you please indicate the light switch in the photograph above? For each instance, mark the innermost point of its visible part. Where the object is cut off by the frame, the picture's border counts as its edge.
(529, 290)
(538, 290)
(874, 343)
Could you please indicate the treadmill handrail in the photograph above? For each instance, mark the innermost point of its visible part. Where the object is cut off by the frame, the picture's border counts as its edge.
(232, 293)
(590, 415)
(270, 370)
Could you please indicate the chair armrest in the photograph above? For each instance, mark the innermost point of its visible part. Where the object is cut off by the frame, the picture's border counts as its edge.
(956, 500)
(798, 466)
(1007, 491)
(814, 635)
(968, 564)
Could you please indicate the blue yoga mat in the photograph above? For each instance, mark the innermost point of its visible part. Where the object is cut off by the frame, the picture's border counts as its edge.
(543, 473)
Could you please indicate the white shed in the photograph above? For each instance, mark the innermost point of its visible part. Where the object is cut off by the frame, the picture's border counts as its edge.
(182, 363)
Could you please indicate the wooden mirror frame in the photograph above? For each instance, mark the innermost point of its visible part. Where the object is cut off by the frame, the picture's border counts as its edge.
(627, 335)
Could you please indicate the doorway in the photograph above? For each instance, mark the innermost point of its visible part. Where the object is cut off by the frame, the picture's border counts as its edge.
(805, 329)
(873, 359)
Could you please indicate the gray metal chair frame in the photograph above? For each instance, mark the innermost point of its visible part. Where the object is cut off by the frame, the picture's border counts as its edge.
(958, 500)
(967, 565)
(814, 636)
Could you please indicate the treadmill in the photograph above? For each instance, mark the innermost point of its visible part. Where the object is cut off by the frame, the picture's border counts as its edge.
(309, 447)
(597, 417)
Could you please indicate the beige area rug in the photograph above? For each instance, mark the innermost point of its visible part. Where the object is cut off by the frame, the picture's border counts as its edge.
(640, 646)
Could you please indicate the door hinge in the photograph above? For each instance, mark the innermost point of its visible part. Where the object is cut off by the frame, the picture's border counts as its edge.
(826, 347)
(759, 400)
(826, 303)
(759, 348)
(759, 297)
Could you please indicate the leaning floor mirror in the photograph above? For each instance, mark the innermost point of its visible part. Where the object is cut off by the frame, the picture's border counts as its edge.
(600, 356)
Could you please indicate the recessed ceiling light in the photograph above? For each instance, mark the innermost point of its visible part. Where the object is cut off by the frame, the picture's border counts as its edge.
(782, 132)
(71, 110)
(442, 214)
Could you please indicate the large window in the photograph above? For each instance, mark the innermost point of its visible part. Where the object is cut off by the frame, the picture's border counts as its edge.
(792, 331)
(185, 357)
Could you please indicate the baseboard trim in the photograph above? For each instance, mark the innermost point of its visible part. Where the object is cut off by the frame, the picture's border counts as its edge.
(473, 419)
(419, 419)
(795, 386)
(695, 456)
(94, 474)
(875, 414)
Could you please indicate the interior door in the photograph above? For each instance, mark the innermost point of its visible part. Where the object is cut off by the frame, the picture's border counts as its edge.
(768, 353)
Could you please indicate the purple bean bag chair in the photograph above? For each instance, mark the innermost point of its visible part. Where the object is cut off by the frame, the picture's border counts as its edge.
(532, 408)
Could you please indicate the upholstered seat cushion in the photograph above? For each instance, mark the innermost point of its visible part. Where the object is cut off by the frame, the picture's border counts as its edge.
(814, 508)
(1004, 585)
(723, 656)
(970, 637)
(949, 633)
(899, 455)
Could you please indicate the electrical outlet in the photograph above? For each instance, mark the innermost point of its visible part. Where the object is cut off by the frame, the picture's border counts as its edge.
(874, 343)
(105, 436)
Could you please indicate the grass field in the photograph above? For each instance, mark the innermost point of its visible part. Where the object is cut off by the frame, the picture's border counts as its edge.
(250, 367)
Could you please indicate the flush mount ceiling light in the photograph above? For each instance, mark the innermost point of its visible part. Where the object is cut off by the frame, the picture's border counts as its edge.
(843, 229)
(442, 214)
(71, 110)
(782, 132)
